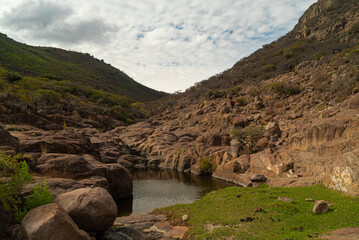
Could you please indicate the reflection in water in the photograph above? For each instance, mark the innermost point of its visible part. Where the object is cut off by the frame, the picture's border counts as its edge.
(155, 188)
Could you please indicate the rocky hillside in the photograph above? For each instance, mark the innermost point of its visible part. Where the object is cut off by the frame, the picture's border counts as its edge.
(295, 121)
(325, 30)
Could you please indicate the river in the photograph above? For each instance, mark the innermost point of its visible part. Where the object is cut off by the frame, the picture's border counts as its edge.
(157, 188)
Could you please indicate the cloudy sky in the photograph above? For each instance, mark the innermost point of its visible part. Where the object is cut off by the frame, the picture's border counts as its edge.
(166, 45)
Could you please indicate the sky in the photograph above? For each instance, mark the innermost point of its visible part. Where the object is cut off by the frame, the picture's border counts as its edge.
(163, 44)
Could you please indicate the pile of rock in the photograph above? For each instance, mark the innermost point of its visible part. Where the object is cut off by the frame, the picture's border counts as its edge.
(85, 209)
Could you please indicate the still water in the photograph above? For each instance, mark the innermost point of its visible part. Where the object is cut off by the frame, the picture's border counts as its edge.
(156, 188)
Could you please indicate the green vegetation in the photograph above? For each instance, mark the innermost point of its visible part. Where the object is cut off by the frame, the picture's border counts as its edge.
(207, 166)
(37, 93)
(41, 196)
(14, 173)
(78, 68)
(248, 137)
(255, 213)
(212, 94)
(269, 66)
(283, 89)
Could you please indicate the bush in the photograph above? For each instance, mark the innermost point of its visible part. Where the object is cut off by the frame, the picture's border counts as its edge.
(242, 101)
(15, 174)
(52, 77)
(269, 66)
(215, 94)
(45, 98)
(41, 196)
(236, 90)
(13, 77)
(207, 166)
(283, 89)
(255, 92)
(248, 137)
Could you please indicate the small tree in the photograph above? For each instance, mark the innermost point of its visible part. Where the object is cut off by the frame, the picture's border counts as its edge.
(248, 137)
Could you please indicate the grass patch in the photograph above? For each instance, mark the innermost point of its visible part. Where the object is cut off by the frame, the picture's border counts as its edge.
(227, 209)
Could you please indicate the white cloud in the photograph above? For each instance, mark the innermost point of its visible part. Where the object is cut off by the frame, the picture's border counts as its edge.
(166, 45)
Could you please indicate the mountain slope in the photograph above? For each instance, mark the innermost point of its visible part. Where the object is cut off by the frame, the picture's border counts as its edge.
(73, 66)
(325, 30)
(296, 116)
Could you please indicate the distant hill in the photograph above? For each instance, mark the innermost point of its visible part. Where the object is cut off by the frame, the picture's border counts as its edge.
(81, 68)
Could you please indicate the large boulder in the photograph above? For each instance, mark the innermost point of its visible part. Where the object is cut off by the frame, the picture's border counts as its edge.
(120, 183)
(51, 222)
(64, 141)
(272, 129)
(270, 163)
(92, 209)
(233, 170)
(63, 165)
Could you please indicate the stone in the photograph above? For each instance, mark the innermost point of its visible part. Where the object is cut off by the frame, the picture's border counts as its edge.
(92, 209)
(120, 183)
(343, 234)
(258, 178)
(240, 122)
(62, 165)
(51, 222)
(272, 129)
(123, 233)
(354, 102)
(320, 207)
(285, 199)
(262, 143)
(185, 217)
(64, 141)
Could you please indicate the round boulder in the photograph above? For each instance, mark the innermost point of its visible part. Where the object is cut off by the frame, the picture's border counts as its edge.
(92, 209)
(50, 222)
(320, 206)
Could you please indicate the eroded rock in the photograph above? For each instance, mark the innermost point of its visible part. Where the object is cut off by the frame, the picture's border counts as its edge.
(92, 209)
(51, 222)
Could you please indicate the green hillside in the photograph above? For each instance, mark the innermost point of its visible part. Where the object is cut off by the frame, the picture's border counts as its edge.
(75, 67)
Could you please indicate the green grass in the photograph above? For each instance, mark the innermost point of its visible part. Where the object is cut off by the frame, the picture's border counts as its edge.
(225, 208)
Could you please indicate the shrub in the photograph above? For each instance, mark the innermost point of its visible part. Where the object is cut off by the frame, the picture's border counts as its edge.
(283, 89)
(254, 92)
(14, 173)
(320, 81)
(236, 90)
(207, 166)
(269, 66)
(248, 137)
(13, 77)
(45, 98)
(215, 94)
(64, 126)
(343, 85)
(52, 77)
(41, 196)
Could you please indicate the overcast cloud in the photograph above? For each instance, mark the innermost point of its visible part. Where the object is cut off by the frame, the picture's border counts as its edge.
(166, 45)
